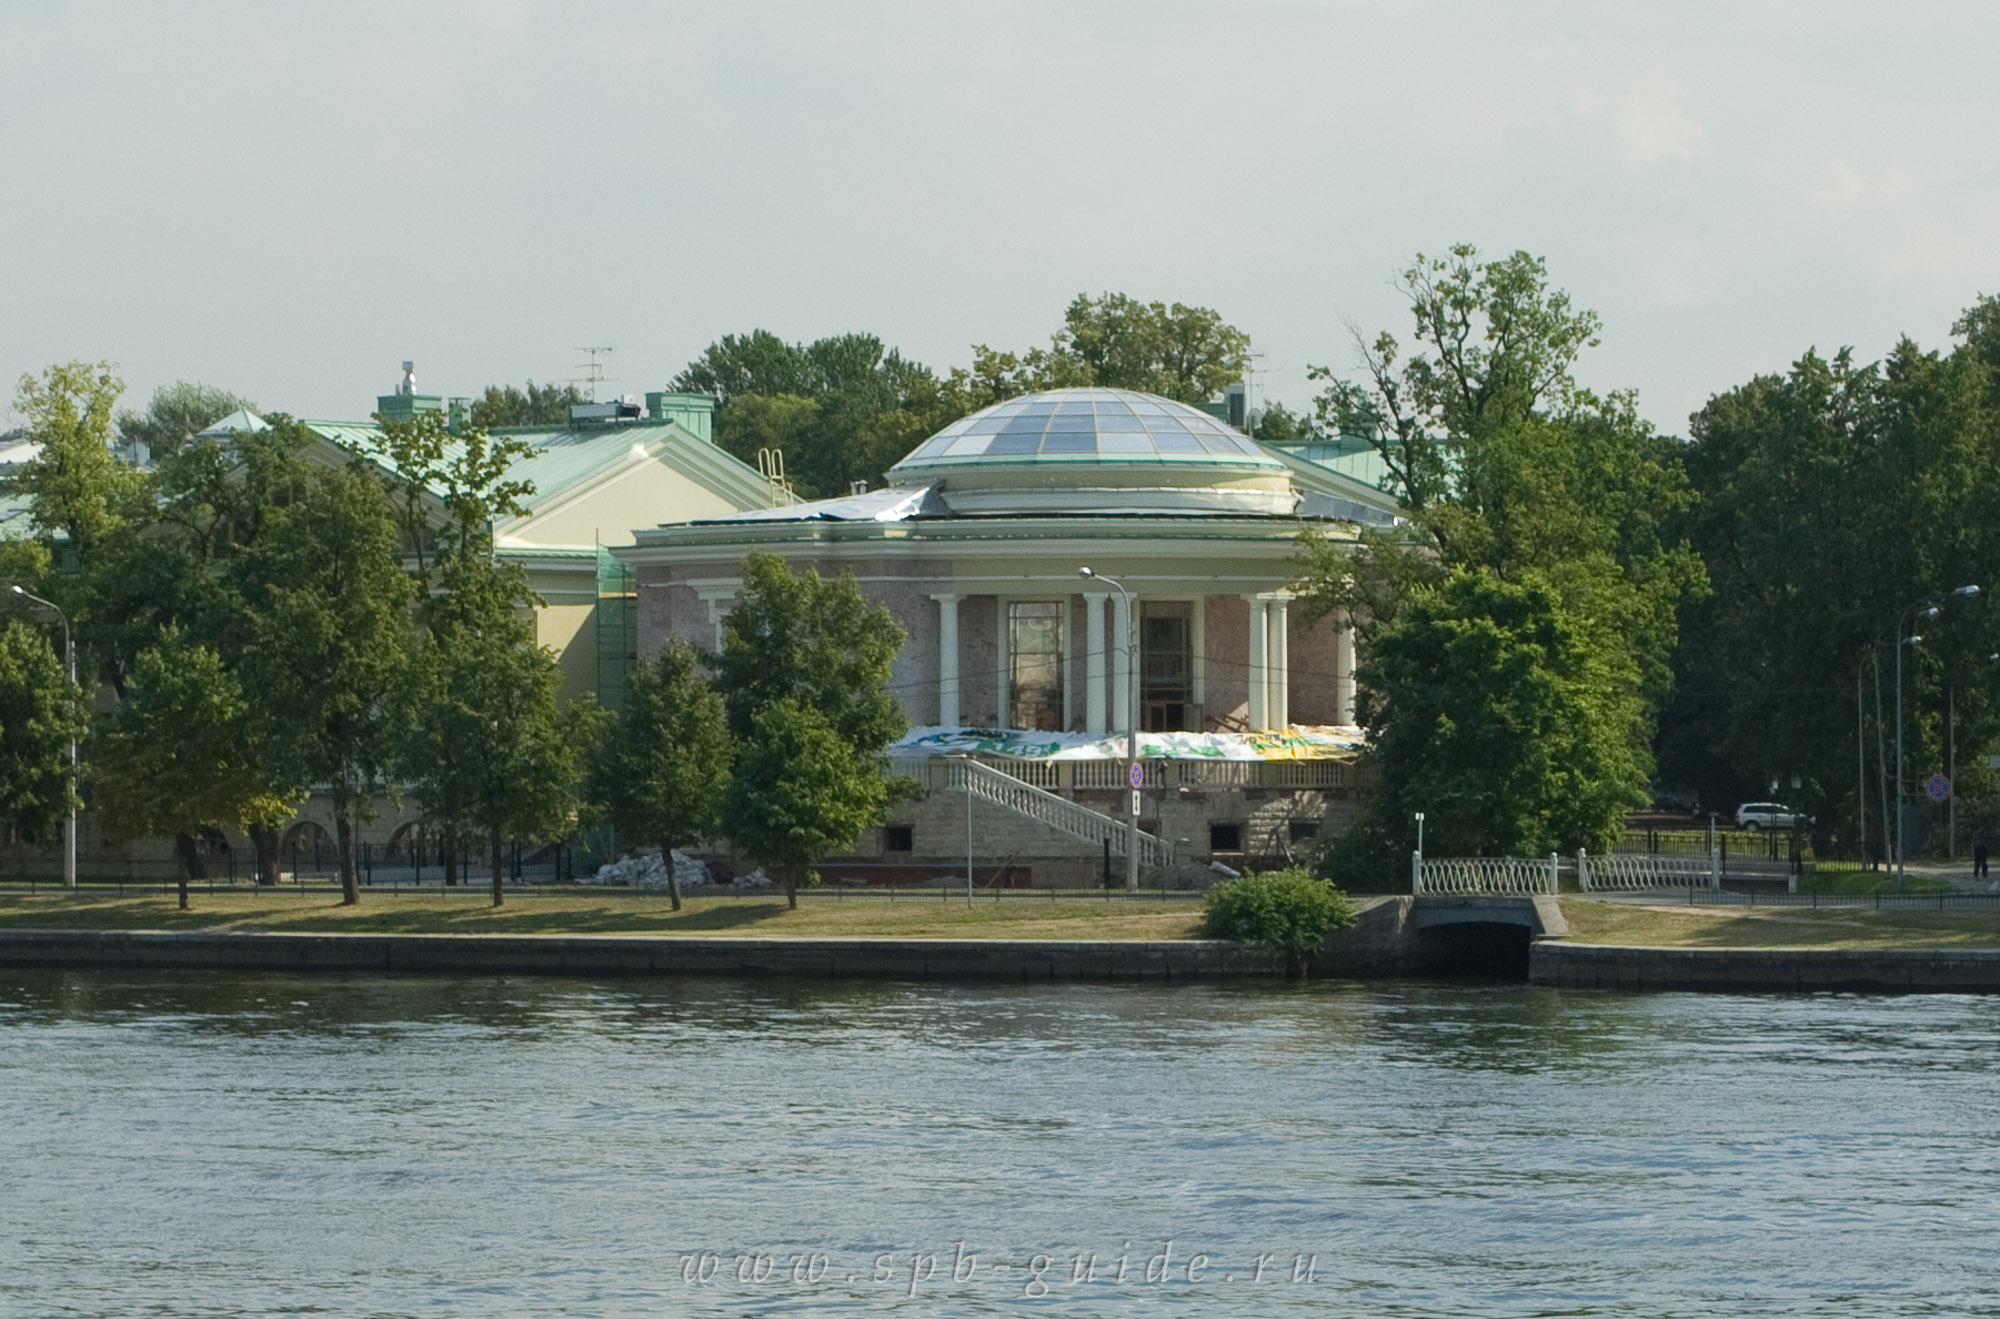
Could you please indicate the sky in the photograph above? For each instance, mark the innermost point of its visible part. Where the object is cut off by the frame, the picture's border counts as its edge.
(289, 200)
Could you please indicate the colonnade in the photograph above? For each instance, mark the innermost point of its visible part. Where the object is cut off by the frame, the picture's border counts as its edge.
(1108, 672)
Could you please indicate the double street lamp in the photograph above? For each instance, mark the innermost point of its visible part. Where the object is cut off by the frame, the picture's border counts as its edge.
(1930, 609)
(69, 655)
(1131, 713)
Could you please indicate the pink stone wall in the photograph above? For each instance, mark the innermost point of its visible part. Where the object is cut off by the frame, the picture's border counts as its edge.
(979, 660)
(1313, 695)
(1227, 642)
(669, 608)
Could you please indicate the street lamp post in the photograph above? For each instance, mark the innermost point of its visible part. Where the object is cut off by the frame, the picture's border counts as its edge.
(1903, 624)
(69, 822)
(1131, 713)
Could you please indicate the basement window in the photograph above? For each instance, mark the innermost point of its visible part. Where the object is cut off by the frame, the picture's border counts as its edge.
(1225, 838)
(1302, 831)
(898, 838)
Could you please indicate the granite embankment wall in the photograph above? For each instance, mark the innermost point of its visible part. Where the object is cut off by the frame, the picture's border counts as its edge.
(1879, 970)
(1012, 960)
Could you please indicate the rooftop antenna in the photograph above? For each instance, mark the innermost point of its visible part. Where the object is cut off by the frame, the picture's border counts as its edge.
(408, 385)
(593, 370)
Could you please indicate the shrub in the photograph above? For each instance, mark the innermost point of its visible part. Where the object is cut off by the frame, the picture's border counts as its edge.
(1287, 911)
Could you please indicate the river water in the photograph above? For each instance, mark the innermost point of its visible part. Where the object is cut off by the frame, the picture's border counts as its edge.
(262, 1145)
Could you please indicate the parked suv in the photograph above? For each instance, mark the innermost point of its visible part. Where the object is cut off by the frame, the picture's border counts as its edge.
(1760, 815)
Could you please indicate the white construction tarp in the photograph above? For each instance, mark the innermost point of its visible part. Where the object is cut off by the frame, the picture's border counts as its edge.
(1299, 742)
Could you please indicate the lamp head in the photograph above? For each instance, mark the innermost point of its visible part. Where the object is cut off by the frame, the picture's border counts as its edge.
(1913, 641)
(17, 590)
(1966, 591)
(1080, 572)
(1932, 612)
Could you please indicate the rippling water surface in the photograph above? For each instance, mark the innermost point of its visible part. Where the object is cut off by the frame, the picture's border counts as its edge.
(274, 1145)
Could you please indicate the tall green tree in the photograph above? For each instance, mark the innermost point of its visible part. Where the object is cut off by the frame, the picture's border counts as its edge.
(176, 413)
(1182, 352)
(77, 489)
(800, 791)
(41, 714)
(185, 753)
(801, 642)
(813, 640)
(488, 748)
(842, 409)
(1833, 498)
(449, 489)
(663, 763)
(1492, 711)
(326, 639)
(1508, 471)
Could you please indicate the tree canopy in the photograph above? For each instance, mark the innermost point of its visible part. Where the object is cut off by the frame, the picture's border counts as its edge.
(41, 713)
(1512, 477)
(177, 413)
(662, 763)
(536, 405)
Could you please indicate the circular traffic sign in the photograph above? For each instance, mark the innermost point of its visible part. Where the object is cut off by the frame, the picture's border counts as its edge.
(1937, 788)
(1136, 776)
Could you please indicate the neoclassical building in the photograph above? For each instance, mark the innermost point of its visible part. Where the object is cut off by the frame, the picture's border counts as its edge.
(975, 547)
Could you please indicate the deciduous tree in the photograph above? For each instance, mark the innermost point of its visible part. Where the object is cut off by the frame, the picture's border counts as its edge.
(662, 763)
(41, 713)
(186, 752)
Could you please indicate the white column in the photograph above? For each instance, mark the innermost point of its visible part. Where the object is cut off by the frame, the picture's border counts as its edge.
(1260, 687)
(947, 659)
(1281, 664)
(1343, 673)
(1121, 687)
(1095, 719)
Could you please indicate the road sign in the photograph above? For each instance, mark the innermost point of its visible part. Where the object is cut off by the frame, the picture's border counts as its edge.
(1938, 788)
(1136, 775)
(1135, 803)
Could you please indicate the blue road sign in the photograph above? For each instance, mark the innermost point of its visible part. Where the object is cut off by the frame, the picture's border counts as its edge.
(1136, 776)
(1938, 788)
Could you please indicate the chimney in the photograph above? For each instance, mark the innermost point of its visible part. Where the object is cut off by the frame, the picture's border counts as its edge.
(406, 402)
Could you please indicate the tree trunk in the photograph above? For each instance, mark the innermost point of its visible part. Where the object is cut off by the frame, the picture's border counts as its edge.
(673, 880)
(450, 845)
(190, 861)
(350, 883)
(264, 840)
(792, 887)
(498, 898)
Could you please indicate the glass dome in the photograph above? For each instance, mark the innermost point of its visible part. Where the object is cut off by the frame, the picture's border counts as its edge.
(1088, 425)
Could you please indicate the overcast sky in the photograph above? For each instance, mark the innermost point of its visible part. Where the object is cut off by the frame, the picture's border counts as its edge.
(287, 200)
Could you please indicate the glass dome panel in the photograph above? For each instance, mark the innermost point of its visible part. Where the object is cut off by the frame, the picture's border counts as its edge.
(1086, 425)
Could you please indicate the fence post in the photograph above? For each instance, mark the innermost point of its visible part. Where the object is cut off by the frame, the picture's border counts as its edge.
(1555, 870)
(1714, 869)
(1416, 873)
(1582, 870)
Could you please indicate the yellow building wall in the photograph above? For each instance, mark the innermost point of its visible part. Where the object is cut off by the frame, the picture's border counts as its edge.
(644, 495)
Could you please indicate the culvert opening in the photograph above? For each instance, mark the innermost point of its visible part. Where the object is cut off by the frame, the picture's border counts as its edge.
(1476, 950)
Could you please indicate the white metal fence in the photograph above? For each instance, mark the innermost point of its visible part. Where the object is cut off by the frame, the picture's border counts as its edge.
(1633, 872)
(1619, 872)
(1484, 874)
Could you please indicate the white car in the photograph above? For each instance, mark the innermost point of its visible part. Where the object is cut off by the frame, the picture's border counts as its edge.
(1760, 815)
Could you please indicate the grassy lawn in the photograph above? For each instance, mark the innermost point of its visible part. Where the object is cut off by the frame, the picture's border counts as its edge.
(1787, 927)
(910, 916)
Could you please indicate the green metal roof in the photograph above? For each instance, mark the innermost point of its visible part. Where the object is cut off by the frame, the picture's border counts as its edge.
(559, 459)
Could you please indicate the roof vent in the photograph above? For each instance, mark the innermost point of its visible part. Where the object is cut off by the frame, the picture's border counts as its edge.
(857, 487)
(591, 414)
(408, 386)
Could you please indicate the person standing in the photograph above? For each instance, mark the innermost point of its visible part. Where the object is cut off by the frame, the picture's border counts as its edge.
(1979, 843)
